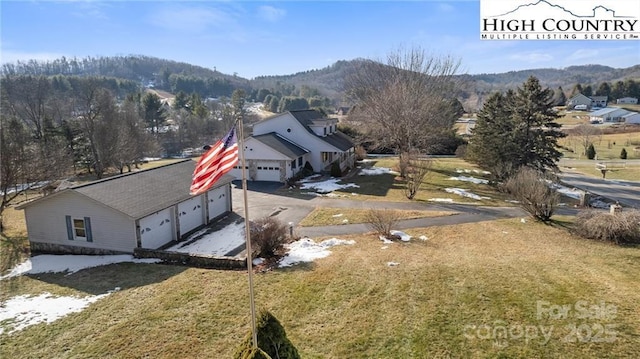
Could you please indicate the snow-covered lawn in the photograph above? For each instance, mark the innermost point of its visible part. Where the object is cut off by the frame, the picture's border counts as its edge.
(465, 193)
(373, 171)
(48, 263)
(473, 171)
(216, 243)
(470, 179)
(22, 311)
(327, 186)
(306, 250)
(566, 191)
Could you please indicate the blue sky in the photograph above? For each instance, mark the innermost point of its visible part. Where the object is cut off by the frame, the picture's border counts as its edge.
(253, 38)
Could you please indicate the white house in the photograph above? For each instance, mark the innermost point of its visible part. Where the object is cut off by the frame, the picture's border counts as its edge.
(145, 209)
(577, 100)
(608, 114)
(627, 100)
(283, 144)
(632, 117)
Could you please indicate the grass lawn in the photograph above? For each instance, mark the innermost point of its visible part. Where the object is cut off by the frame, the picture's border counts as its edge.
(469, 291)
(389, 187)
(607, 146)
(630, 173)
(326, 216)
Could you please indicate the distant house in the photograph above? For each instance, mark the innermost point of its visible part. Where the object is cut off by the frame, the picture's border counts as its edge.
(631, 118)
(283, 144)
(608, 114)
(146, 209)
(627, 100)
(343, 110)
(578, 100)
(598, 101)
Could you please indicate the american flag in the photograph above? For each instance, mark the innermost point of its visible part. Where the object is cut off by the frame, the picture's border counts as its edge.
(217, 161)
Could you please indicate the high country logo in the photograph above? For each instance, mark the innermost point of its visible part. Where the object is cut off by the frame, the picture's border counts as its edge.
(560, 20)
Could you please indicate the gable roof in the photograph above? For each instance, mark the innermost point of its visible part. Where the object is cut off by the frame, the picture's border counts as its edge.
(606, 111)
(579, 96)
(141, 193)
(598, 98)
(337, 139)
(281, 145)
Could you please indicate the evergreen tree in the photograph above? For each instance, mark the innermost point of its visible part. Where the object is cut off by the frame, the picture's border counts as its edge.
(623, 154)
(577, 89)
(154, 114)
(604, 89)
(559, 98)
(272, 340)
(587, 91)
(492, 146)
(181, 101)
(591, 152)
(515, 130)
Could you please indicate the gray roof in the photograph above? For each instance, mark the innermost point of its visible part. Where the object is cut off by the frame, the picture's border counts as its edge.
(336, 139)
(281, 145)
(138, 194)
(605, 111)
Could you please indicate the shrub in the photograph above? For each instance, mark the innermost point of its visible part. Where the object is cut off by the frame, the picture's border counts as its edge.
(623, 154)
(268, 235)
(416, 173)
(272, 340)
(382, 221)
(591, 152)
(620, 228)
(335, 169)
(532, 189)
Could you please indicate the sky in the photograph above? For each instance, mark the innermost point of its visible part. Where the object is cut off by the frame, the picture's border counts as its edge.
(256, 38)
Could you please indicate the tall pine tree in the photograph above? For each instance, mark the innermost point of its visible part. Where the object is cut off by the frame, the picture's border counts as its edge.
(515, 130)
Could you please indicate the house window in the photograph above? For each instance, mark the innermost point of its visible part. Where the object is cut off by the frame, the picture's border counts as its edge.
(325, 131)
(78, 228)
(299, 161)
(293, 164)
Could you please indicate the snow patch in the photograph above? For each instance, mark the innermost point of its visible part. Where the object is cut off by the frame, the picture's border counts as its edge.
(446, 200)
(216, 243)
(71, 263)
(470, 179)
(306, 250)
(403, 236)
(392, 264)
(327, 186)
(464, 193)
(22, 311)
(374, 171)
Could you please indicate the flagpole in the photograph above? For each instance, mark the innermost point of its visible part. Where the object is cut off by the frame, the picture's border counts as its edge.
(247, 231)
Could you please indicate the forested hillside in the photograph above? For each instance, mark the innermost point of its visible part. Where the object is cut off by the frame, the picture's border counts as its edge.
(321, 84)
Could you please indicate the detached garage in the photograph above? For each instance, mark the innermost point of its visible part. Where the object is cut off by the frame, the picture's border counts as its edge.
(146, 209)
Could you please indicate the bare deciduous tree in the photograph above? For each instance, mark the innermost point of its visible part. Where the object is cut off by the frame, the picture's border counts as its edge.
(585, 135)
(405, 103)
(533, 189)
(415, 175)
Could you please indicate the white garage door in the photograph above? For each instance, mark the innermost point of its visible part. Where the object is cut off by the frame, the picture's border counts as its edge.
(157, 229)
(218, 201)
(191, 214)
(268, 171)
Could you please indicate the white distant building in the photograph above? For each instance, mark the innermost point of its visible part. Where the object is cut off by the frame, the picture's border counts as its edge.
(608, 114)
(627, 100)
(632, 117)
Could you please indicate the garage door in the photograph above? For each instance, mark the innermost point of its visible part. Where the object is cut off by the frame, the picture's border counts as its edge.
(191, 214)
(268, 171)
(218, 201)
(157, 229)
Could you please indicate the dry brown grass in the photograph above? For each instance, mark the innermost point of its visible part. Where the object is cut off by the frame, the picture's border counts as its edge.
(352, 304)
(327, 216)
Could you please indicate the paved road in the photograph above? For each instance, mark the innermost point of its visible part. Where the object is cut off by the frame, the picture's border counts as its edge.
(264, 201)
(625, 192)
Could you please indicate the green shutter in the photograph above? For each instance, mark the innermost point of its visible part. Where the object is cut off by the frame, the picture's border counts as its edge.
(69, 228)
(87, 228)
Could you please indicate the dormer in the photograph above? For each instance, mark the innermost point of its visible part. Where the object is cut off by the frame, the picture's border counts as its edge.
(324, 126)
